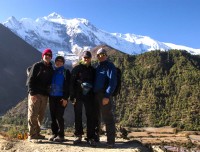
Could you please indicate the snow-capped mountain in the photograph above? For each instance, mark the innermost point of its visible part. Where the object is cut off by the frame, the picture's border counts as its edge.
(72, 36)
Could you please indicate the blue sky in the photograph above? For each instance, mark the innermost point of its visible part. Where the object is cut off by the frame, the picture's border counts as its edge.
(173, 21)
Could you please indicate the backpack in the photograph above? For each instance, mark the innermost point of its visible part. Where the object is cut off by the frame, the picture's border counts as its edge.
(28, 74)
(118, 87)
(28, 70)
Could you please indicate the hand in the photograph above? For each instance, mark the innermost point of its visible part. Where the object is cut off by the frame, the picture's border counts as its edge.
(34, 98)
(105, 101)
(73, 101)
(64, 102)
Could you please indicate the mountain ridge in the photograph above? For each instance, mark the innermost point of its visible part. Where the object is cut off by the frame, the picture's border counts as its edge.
(15, 55)
(73, 36)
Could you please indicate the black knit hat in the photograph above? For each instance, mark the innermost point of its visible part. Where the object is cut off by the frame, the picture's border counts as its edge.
(60, 58)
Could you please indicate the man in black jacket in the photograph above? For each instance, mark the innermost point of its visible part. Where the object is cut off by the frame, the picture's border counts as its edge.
(38, 83)
(81, 84)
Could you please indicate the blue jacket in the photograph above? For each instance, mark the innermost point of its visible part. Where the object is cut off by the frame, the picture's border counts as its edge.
(106, 78)
(60, 83)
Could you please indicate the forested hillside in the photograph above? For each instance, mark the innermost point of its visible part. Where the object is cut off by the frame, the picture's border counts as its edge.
(159, 89)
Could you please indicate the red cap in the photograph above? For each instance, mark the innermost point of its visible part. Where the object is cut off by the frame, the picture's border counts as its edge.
(46, 51)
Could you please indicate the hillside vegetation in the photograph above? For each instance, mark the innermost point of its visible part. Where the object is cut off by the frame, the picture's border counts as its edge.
(158, 89)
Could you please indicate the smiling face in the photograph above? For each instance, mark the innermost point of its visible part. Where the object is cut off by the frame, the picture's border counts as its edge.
(59, 63)
(86, 60)
(102, 57)
(47, 57)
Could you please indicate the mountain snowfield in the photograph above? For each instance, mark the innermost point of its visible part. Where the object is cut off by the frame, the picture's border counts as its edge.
(69, 37)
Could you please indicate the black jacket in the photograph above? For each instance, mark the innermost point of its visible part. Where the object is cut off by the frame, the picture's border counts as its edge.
(80, 74)
(39, 79)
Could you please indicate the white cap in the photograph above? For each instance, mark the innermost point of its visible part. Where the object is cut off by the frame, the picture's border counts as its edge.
(101, 51)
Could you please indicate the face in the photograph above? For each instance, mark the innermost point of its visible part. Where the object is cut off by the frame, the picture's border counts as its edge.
(47, 57)
(59, 63)
(102, 57)
(86, 60)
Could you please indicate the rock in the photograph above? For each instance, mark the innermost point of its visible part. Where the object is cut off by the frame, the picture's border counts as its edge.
(158, 149)
(6, 145)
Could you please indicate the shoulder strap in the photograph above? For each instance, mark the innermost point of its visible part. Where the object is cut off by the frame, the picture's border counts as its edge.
(64, 73)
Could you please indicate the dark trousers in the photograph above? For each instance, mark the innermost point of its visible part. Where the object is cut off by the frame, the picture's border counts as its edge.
(88, 102)
(57, 112)
(107, 114)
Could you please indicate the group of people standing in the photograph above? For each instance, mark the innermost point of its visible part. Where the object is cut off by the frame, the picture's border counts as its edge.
(84, 86)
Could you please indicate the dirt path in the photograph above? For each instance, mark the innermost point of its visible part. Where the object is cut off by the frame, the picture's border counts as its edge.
(46, 146)
(166, 136)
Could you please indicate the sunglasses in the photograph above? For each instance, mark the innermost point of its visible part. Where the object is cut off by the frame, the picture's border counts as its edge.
(101, 55)
(48, 55)
(59, 61)
(86, 57)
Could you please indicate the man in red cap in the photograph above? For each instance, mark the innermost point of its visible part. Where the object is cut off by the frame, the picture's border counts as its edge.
(38, 84)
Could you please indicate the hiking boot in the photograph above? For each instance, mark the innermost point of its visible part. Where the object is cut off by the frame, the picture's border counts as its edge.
(86, 139)
(59, 139)
(92, 143)
(37, 136)
(29, 138)
(109, 145)
(96, 138)
(77, 140)
(52, 137)
(40, 136)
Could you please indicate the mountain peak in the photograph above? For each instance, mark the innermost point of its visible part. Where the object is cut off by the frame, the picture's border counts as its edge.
(54, 15)
(12, 18)
(12, 21)
(75, 34)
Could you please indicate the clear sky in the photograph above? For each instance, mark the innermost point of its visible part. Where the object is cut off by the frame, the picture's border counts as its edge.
(173, 21)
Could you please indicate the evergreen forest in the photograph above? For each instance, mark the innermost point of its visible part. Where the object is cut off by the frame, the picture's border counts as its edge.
(159, 88)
